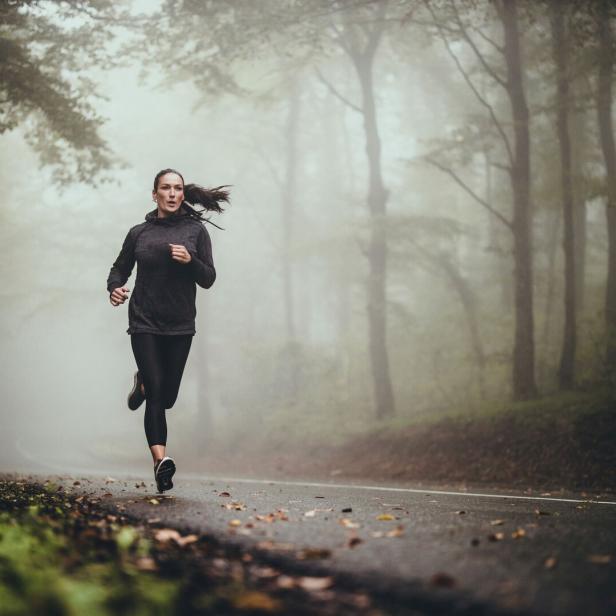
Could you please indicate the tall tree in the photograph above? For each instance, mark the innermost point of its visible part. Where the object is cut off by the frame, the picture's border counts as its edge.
(606, 134)
(560, 44)
(360, 40)
(516, 146)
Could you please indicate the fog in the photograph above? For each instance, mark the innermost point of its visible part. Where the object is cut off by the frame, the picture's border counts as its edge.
(292, 351)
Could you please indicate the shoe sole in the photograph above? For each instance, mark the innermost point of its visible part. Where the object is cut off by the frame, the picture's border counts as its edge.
(132, 392)
(164, 473)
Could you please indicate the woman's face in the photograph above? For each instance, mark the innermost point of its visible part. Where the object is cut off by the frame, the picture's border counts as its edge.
(169, 194)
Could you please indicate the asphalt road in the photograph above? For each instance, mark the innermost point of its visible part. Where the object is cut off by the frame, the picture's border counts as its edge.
(508, 553)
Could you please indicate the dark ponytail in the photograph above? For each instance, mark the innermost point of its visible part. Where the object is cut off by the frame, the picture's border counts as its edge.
(209, 199)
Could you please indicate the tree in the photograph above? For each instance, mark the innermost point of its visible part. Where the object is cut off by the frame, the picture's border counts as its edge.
(516, 147)
(43, 88)
(566, 372)
(606, 133)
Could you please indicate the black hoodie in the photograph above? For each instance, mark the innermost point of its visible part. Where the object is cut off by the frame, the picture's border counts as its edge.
(163, 298)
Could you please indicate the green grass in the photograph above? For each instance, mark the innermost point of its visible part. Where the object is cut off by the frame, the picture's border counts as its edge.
(45, 570)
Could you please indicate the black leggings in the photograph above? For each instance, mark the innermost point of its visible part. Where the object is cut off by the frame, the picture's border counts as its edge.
(161, 361)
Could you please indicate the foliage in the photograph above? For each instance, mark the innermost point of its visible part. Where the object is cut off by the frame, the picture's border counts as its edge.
(46, 48)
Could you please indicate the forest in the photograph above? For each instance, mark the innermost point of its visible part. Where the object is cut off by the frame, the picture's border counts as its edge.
(422, 228)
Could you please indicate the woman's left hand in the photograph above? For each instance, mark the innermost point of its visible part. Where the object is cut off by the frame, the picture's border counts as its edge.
(179, 253)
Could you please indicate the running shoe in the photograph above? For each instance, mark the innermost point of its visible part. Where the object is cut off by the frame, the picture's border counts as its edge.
(135, 397)
(163, 472)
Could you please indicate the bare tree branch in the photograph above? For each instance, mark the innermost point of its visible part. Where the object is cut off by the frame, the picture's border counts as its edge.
(335, 92)
(501, 166)
(487, 39)
(470, 191)
(471, 85)
(472, 45)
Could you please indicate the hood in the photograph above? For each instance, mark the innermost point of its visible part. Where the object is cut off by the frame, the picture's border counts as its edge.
(169, 220)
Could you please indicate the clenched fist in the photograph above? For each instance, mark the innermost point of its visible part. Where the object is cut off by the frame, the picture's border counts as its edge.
(179, 253)
(119, 296)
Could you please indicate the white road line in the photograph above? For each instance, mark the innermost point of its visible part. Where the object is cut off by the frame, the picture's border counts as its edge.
(411, 490)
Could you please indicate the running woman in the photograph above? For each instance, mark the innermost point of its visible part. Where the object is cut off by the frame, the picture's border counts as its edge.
(173, 253)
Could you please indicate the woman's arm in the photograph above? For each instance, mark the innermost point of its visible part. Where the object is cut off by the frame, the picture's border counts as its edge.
(123, 265)
(201, 261)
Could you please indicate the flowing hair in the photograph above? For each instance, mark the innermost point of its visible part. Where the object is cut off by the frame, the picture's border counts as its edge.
(210, 199)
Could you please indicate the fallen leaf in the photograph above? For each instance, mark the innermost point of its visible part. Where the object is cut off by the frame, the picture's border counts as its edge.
(265, 572)
(285, 581)
(496, 536)
(166, 534)
(310, 514)
(270, 545)
(186, 540)
(550, 562)
(396, 532)
(520, 532)
(145, 563)
(153, 501)
(314, 553)
(153, 520)
(224, 494)
(256, 601)
(315, 583)
(444, 580)
(497, 522)
(348, 523)
(386, 517)
(236, 506)
(600, 559)
(353, 541)
(235, 522)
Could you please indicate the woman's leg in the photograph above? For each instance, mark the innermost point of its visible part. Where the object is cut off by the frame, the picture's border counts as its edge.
(149, 355)
(176, 349)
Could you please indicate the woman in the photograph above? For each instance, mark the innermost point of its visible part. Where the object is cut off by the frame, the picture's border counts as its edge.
(173, 252)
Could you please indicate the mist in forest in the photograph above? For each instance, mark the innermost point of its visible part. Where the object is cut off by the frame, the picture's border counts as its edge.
(419, 223)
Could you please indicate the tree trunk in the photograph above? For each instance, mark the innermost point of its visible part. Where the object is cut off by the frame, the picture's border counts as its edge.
(289, 191)
(524, 386)
(579, 154)
(377, 251)
(469, 304)
(553, 231)
(566, 371)
(498, 243)
(288, 205)
(606, 133)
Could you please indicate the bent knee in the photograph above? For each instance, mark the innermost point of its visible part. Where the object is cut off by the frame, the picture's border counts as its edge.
(169, 402)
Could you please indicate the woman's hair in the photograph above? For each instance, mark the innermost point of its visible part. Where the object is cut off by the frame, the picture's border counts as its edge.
(209, 199)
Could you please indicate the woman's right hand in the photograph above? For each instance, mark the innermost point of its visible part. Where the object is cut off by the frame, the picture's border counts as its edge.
(119, 296)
